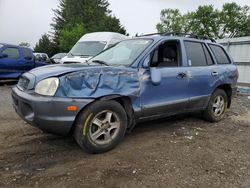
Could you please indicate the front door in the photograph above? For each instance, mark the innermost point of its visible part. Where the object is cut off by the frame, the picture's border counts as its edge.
(170, 96)
(11, 65)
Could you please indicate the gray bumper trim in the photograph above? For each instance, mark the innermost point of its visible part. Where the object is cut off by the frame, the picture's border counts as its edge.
(50, 114)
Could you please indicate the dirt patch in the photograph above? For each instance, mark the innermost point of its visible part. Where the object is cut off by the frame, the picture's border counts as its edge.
(183, 151)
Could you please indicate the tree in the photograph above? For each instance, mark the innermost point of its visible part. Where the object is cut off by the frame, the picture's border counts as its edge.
(69, 36)
(45, 45)
(232, 21)
(94, 15)
(25, 44)
(171, 21)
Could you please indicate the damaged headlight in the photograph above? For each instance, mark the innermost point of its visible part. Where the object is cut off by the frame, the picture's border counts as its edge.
(47, 86)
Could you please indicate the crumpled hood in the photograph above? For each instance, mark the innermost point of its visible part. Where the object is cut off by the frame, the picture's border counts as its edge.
(98, 81)
(56, 70)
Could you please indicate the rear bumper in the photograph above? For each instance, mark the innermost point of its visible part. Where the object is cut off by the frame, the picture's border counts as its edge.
(234, 91)
(50, 114)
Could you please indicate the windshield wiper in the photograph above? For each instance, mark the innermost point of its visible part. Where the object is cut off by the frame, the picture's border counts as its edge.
(100, 62)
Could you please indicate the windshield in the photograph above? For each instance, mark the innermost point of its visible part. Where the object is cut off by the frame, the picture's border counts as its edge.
(87, 48)
(124, 53)
(1, 45)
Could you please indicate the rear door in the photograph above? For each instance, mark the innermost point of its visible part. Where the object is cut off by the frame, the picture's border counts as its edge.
(203, 74)
(11, 66)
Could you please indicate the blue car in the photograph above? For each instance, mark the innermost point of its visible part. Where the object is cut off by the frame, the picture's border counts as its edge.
(15, 60)
(140, 79)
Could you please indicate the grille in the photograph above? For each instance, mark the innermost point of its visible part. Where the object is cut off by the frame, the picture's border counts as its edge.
(23, 83)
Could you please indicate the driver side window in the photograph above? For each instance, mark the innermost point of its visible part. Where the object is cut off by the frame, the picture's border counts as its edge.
(166, 55)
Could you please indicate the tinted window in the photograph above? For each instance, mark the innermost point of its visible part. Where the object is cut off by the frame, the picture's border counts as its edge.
(208, 56)
(11, 52)
(219, 54)
(166, 55)
(27, 52)
(195, 54)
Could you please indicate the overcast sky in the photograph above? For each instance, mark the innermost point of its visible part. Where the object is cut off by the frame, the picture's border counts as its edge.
(27, 20)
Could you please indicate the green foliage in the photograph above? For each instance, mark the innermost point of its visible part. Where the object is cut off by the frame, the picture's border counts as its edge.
(232, 21)
(25, 44)
(69, 36)
(73, 18)
(93, 14)
(45, 45)
(171, 20)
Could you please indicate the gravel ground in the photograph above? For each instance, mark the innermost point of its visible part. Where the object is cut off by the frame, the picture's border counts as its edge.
(183, 151)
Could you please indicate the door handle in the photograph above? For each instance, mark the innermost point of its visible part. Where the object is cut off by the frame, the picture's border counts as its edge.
(182, 75)
(215, 73)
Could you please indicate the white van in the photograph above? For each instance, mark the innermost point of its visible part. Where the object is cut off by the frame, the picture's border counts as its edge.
(90, 45)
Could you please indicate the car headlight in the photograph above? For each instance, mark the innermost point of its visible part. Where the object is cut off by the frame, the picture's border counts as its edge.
(47, 86)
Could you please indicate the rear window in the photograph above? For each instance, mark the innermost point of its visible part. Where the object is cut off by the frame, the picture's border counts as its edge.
(12, 52)
(220, 54)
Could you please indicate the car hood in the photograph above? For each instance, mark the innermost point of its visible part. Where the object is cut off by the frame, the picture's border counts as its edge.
(56, 70)
(74, 59)
(89, 81)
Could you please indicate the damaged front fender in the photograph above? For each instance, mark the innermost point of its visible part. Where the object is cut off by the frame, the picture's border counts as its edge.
(97, 82)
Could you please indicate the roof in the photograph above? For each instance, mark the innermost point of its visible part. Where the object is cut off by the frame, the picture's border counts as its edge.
(13, 45)
(181, 36)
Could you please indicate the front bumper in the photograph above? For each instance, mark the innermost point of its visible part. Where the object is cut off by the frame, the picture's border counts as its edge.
(50, 114)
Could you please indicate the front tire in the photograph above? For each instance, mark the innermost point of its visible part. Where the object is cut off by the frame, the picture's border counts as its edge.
(101, 126)
(217, 106)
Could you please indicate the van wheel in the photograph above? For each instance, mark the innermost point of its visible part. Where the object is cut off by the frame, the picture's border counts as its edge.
(217, 106)
(101, 126)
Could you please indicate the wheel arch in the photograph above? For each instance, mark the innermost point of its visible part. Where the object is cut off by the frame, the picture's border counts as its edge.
(126, 103)
(228, 90)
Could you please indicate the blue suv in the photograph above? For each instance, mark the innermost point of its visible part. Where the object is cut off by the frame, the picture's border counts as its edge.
(15, 60)
(140, 79)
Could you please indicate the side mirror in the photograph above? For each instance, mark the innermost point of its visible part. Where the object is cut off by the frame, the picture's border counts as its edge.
(155, 75)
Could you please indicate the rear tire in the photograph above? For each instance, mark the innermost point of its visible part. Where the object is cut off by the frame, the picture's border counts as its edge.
(217, 106)
(101, 126)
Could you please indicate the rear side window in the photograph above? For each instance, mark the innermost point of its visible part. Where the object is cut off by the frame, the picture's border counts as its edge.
(12, 52)
(195, 54)
(27, 52)
(220, 54)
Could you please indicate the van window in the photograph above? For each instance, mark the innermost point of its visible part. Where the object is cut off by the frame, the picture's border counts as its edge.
(220, 54)
(12, 52)
(195, 54)
(87, 48)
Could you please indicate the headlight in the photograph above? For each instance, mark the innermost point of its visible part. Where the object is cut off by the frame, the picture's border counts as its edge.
(47, 86)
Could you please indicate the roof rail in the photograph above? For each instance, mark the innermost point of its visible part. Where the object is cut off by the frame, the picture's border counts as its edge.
(187, 35)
